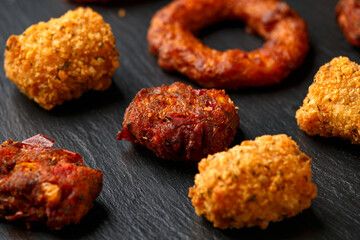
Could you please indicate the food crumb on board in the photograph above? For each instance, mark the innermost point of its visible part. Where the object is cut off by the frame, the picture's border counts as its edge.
(121, 13)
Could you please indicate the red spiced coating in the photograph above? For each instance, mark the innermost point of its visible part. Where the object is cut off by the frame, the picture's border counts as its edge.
(171, 38)
(178, 122)
(348, 18)
(42, 184)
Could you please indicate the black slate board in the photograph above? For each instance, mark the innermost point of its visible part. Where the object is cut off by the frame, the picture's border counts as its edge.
(145, 197)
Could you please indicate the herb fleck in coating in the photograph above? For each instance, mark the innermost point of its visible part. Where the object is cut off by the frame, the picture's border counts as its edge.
(254, 183)
(58, 60)
(332, 105)
(178, 122)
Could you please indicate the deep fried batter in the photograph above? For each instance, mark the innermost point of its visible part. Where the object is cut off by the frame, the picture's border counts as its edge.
(170, 36)
(348, 18)
(254, 183)
(61, 59)
(42, 184)
(178, 122)
(332, 105)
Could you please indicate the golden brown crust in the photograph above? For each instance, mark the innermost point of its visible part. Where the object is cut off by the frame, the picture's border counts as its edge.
(61, 59)
(348, 18)
(254, 183)
(170, 36)
(332, 105)
(178, 122)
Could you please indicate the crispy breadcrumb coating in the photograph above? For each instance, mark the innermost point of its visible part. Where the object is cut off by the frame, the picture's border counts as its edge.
(332, 105)
(58, 60)
(254, 183)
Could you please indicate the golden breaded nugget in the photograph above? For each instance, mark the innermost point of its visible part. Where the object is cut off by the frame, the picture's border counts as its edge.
(254, 183)
(332, 106)
(55, 61)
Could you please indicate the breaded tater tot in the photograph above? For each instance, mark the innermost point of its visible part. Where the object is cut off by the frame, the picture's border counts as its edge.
(254, 183)
(332, 105)
(58, 60)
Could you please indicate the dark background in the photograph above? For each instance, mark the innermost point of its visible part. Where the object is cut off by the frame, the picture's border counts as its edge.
(145, 197)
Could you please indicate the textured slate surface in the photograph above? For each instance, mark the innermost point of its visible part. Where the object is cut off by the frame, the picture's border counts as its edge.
(145, 197)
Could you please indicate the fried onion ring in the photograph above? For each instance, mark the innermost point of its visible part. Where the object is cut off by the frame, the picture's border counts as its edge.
(170, 36)
(348, 18)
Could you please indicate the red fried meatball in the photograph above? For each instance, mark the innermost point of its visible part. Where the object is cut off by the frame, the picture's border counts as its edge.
(42, 184)
(178, 122)
(348, 18)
